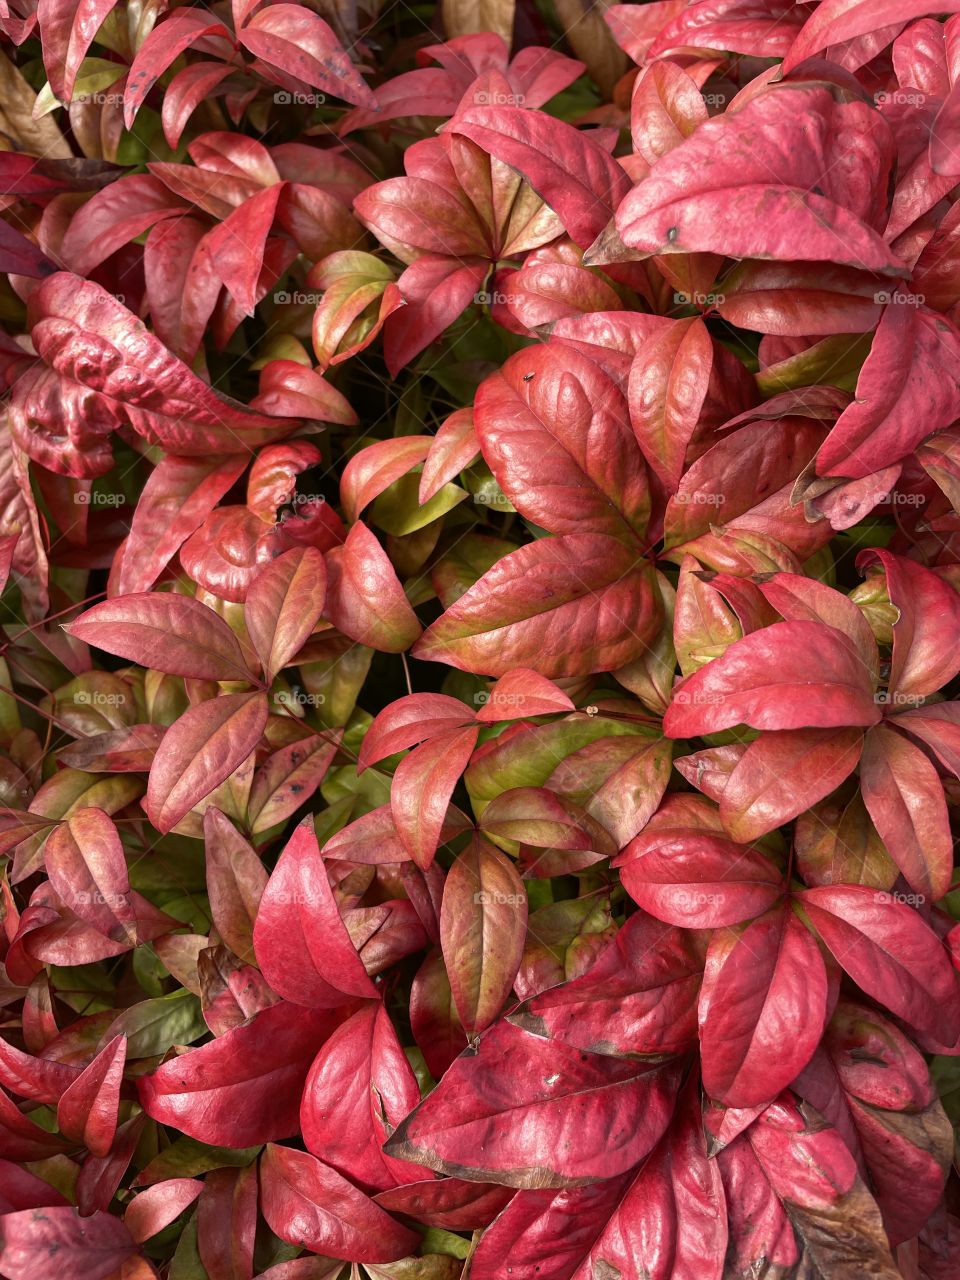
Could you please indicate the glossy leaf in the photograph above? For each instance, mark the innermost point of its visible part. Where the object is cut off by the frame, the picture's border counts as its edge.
(283, 605)
(169, 632)
(200, 751)
(307, 1203)
(243, 1087)
(555, 605)
(300, 940)
(602, 1113)
(889, 952)
(359, 1088)
(762, 1009)
(483, 919)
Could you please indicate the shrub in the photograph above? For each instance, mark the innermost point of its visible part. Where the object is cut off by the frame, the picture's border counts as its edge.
(480, 682)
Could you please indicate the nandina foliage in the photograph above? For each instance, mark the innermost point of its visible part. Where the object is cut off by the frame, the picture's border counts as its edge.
(480, 661)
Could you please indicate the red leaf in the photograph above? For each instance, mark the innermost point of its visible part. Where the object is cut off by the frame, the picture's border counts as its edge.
(814, 1175)
(454, 447)
(309, 1204)
(288, 387)
(113, 217)
(872, 1084)
(156, 1207)
(436, 291)
(178, 496)
(372, 839)
(760, 1234)
(539, 817)
(283, 605)
(904, 797)
(781, 775)
(928, 608)
(21, 1139)
(763, 1008)
(669, 381)
(375, 468)
(236, 879)
(300, 940)
(902, 395)
(764, 32)
(791, 675)
(528, 1112)
(433, 1015)
(672, 1217)
(164, 44)
(168, 632)
(637, 999)
(22, 256)
(41, 1079)
(299, 43)
(238, 244)
(483, 920)
(567, 169)
(890, 953)
(837, 21)
(364, 597)
(447, 1203)
(288, 778)
(88, 1109)
(801, 599)
(244, 1087)
(667, 106)
(57, 1241)
(272, 482)
(521, 693)
(87, 868)
(227, 1223)
(171, 407)
(21, 1189)
(422, 786)
(558, 605)
(546, 1234)
(359, 1089)
(552, 428)
(765, 181)
(619, 782)
(409, 720)
(200, 751)
(697, 880)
